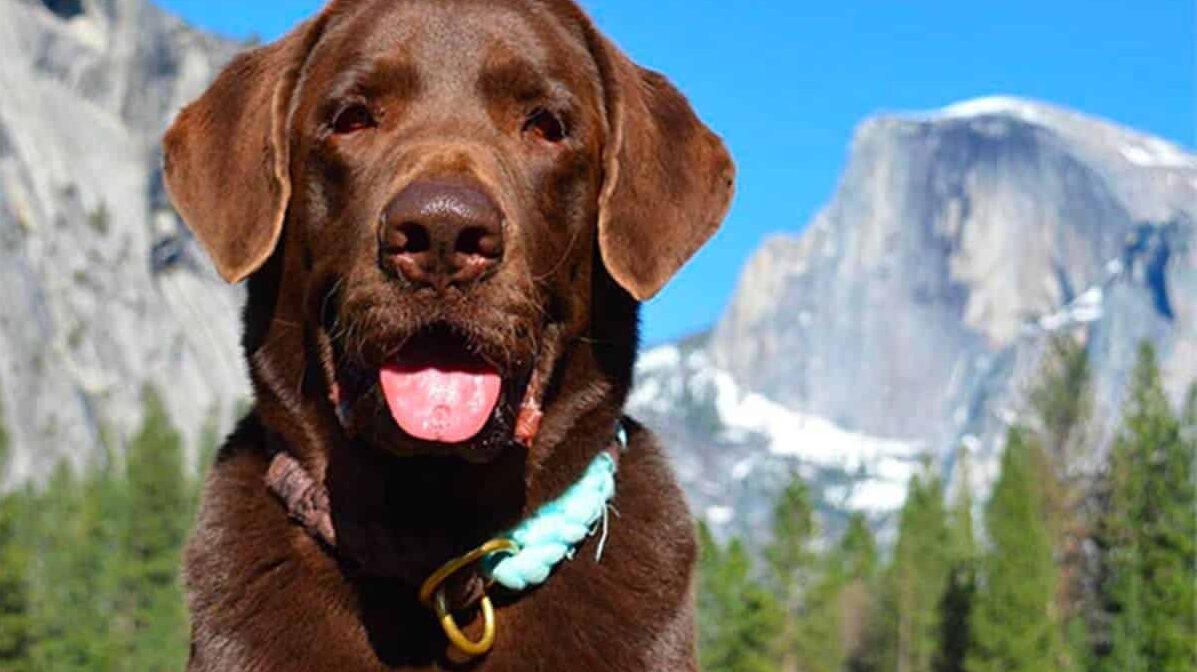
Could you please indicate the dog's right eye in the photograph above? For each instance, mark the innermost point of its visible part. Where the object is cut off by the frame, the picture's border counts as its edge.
(353, 118)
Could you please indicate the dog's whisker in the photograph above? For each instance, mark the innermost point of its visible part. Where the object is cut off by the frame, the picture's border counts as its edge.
(565, 255)
(286, 323)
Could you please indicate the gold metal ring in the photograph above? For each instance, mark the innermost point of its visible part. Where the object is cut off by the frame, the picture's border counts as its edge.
(434, 582)
(432, 595)
(456, 637)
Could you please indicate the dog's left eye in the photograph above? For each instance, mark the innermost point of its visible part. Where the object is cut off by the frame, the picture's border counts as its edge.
(353, 118)
(545, 125)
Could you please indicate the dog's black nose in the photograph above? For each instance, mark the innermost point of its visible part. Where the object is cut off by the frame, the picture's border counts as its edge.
(441, 234)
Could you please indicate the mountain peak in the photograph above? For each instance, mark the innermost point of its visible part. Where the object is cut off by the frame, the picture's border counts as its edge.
(1139, 149)
(912, 313)
(1024, 108)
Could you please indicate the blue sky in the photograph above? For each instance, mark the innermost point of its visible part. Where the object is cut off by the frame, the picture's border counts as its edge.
(786, 82)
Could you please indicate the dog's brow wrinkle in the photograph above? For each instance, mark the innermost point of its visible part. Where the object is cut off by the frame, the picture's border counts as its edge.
(515, 79)
(398, 78)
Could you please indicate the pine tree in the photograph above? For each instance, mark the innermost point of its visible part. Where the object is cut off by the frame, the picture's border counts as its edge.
(878, 649)
(904, 629)
(71, 624)
(1015, 627)
(858, 550)
(956, 608)
(1062, 401)
(739, 621)
(158, 493)
(1148, 534)
(791, 564)
(920, 574)
(1188, 416)
(854, 564)
(821, 629)
(16, 628)
(103, 525)
(16, 631)
(1061, 407)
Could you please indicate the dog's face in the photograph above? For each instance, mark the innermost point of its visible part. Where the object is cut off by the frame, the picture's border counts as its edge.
(446, 180)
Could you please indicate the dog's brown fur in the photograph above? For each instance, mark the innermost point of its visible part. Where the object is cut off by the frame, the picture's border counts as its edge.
(594, 223)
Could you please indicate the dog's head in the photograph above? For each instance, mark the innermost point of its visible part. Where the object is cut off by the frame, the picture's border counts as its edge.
(435, 200)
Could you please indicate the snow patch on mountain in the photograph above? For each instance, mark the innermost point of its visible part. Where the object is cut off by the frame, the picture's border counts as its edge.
(732, 444)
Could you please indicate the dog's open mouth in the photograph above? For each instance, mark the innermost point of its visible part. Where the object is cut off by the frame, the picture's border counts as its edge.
(442, 390)
(439, 391)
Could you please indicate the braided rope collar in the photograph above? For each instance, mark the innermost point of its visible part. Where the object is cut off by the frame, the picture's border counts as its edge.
(557, 528)
(539, 543)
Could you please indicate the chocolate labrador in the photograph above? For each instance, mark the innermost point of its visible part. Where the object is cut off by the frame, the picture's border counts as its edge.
(448, 212)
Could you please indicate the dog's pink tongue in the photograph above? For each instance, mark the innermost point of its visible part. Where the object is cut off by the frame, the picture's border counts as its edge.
(436, 405)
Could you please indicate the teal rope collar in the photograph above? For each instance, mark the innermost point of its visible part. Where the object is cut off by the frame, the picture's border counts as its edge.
(538, 544)
(553, 533)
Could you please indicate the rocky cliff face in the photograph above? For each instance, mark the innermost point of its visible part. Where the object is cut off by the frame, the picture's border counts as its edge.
(101, 292)
(911, 313)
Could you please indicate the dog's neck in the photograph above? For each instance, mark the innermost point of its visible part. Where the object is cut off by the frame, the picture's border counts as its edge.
(399, 518)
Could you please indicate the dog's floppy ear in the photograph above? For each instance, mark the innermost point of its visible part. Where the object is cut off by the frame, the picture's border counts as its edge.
(668, 180)
(226, 155)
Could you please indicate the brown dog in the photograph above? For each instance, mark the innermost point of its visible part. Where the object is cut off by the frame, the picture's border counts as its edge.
(447, 212)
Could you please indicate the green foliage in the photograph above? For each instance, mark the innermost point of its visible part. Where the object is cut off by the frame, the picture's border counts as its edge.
(1027, 599)
(856, 562)
(89, 566)
(957, 605)
(857, 554)
(1015, 628)
(921, 567)
(16, 627)
(820, 646)
(807, 613)
(1062, 399)
(1148, 533)
(739, 621)
(807, 588)
(158, 493)
(903, 629)
(73, 580)
(791, 566)
(1061, 408)
(1188, 416)
(789, 555)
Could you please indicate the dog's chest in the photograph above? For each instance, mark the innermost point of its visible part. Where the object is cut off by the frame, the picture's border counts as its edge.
(586, 618)
(265, 595)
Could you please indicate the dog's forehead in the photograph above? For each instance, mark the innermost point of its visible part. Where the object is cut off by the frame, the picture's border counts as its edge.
(453, 42)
